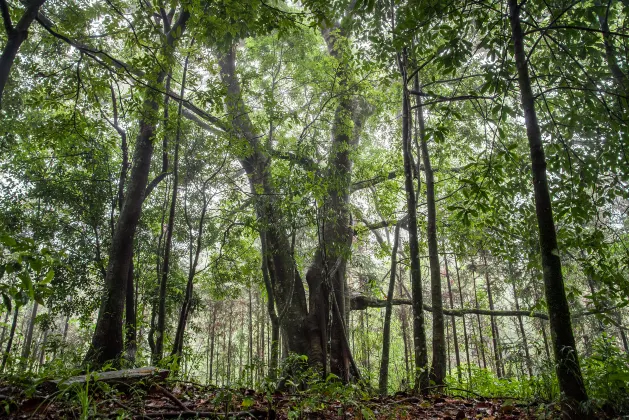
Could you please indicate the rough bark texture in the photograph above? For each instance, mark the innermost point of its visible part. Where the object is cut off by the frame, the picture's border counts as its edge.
(107, 341)
(564, 347)
(15, 37)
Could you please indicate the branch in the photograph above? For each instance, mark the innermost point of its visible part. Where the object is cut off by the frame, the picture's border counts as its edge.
(154, 183)
(6, 16)
(580, 28)
(360, 302)
(256, 414)
(360, 185)
(439, 98)
(192, 112)
(306, 162)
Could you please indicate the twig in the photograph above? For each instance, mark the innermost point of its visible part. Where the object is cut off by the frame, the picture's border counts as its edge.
(206, 414)
(174, 399)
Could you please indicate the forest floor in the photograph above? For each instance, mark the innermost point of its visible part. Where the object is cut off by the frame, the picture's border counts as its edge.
(187, 400)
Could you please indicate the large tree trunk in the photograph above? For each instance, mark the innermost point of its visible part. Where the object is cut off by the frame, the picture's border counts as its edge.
(386, 333)
(107, 341)
(283, 276)
(15, 37)
(564, 346)
(419, 333)
(305, 331)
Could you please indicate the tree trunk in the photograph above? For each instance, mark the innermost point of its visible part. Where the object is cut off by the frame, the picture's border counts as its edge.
(131, 345)
(467, 345)
(386, 334)
(5, 326)
(42, 350)
(480, 326)
(438, 369)
(107, 341)
(229, 347)
(15, 37)
(525, 344)
(305, 331)
(495, 337)
(419, 333)
(28, 341)
(7, 351)
(564, 346)
(452, 319)
(405, 338)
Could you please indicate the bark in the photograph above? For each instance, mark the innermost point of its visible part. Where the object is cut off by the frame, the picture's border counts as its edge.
(7, 351)
(107, 341)
(131, 345)
(419, 333)
(452, 319)
(438, 370)
(15, 37)
(28, 340)
(386, 333)
(564, 346)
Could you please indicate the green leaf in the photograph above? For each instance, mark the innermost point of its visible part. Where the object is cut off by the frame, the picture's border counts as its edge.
(27, 284)
(49, 276)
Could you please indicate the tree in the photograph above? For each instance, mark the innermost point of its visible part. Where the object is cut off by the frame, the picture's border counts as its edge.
(564, 346)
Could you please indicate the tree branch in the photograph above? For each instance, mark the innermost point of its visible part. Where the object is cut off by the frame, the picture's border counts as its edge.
(154, 183)
(6, 16)
(361, 302)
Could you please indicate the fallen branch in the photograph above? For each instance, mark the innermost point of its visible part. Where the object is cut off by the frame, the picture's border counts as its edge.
(172, 397)
(256, 414)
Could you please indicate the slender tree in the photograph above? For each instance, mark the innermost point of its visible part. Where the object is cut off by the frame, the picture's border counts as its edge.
(564, 346)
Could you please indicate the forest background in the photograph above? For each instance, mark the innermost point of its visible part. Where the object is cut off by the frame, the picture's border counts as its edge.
(404, 194)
